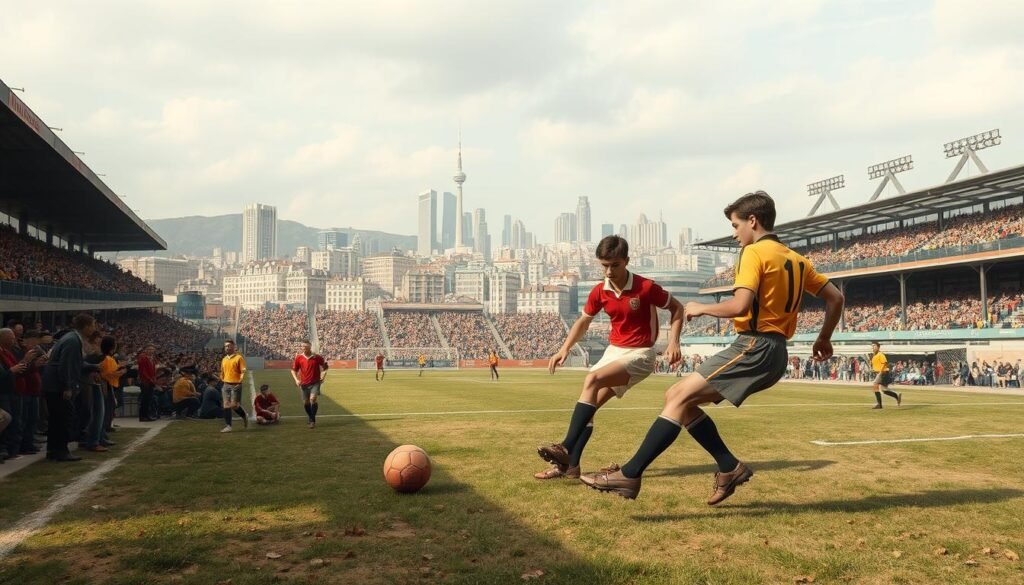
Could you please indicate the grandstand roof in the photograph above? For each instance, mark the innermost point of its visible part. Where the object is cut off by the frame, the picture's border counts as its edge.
(993, 186)
(45, 180)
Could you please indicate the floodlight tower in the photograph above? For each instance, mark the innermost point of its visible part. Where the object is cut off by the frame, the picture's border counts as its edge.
(888, 169)
(965, 148)
(823, 189)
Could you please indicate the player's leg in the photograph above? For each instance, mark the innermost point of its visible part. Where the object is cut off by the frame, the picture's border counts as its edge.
(875, 386)
(225, 395)
(884, 385)
(572, 468)
(237, 402)
(610, 375)
(305, 388)
(314, 403)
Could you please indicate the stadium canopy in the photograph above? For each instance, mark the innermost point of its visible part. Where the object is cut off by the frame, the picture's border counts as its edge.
(992, 186)
(43, 180)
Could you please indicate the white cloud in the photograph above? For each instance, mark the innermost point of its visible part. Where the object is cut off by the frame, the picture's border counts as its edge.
(323, 155)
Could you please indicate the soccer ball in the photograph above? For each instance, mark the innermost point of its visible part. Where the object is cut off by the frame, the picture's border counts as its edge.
(407, 469)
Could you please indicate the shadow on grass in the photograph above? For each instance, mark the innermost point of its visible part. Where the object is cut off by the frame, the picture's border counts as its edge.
(196, 506)
(710, 469)
(921, 499)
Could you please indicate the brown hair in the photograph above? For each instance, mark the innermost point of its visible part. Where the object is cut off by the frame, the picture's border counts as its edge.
(81, 321)
(759, 204)
(612, 247)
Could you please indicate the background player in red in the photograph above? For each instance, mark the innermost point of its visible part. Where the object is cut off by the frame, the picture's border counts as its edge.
(630, 301)
(267, 406)
(379, 374)
(309, 370)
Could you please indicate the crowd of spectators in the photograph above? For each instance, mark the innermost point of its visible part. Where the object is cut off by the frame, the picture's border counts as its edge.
(1001, 374)
(962, 230)
(341, 333)
(26, 259)
(272, 333)
(411, 329)
(531, 336)
(468, 333)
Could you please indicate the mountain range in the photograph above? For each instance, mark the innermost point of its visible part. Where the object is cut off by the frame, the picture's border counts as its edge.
(198, 235)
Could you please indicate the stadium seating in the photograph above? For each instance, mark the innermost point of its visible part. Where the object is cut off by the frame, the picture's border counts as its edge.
(341, 333)
(531, 336)
(411, 329)
(468, 333)
(26, 259)
(272, 333)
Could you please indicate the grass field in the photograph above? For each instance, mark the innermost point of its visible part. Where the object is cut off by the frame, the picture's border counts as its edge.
(197, 506)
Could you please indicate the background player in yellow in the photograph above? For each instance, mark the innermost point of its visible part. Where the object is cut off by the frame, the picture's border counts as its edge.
(770, 282)
(883, 376)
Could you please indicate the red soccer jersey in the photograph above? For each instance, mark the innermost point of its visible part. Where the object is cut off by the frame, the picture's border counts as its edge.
(380, 361)
(265, 402)
(309, 368)
(634, 324)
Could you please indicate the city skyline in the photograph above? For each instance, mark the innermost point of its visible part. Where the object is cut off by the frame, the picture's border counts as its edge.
(582, 104)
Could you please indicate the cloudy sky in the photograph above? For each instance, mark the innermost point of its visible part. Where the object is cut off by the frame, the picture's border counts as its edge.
(340, 112)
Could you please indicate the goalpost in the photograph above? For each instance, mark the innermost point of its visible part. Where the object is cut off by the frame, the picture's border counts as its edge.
(407, 358)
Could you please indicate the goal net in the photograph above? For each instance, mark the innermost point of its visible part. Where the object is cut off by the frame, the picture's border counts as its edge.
(406, 358)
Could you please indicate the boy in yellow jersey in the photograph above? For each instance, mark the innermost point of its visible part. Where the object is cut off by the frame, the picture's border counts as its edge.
(423, 363)
(770, 282)
(232, 369)
(492, 361)
(883, 377)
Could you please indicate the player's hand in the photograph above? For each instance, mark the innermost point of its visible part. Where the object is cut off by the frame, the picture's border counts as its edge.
(673, 354)
(693, 309)
(557, 360)
(822, 350)
(19, 368)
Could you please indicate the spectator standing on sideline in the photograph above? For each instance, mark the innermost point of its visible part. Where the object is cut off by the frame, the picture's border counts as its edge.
(147, 382)
(62, 379)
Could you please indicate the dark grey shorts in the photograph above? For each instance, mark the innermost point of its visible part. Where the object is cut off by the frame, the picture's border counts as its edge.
(754, 362)
(883, 378)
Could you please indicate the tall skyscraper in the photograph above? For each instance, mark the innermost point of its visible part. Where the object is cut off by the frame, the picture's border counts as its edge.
(607, 229)
(583, 220)
(426, 235)
(506, 231)
(517, 238)
(565, 227)
(332, 238)
(447, 220)
(259, 232)
(481, 240)
(685, 240)
(648, 234)
(467, 230)
(459, 178)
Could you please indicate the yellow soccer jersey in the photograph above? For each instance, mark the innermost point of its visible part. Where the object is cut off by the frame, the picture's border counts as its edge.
(879, 363)
(232, 368)
(778, 278)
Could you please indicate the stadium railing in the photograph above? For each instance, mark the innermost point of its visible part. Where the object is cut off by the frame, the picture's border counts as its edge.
(10, 289)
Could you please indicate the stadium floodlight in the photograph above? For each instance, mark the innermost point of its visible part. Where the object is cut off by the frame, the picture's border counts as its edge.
(966, 148)
(21, 89)
(78, 153)
(888, 169)
(823, 189)
(55, 129)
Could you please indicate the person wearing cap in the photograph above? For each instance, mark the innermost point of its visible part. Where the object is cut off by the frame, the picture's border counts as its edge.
(184, 395)
(267, 406)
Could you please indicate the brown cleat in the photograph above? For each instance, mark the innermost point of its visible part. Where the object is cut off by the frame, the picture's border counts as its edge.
(725, 483)
(611, 479)
(899, 399)
(554, 453)
(876, 407)
(557, 471)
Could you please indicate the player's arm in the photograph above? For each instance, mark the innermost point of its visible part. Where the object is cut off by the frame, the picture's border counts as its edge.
(834, 301)
(323, 369)
(576, 333)
(738, 304)
(295, 370)
(672, 353)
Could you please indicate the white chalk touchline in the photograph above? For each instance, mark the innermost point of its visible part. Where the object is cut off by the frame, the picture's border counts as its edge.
(922, 440)
(648, 408)
(12, 537)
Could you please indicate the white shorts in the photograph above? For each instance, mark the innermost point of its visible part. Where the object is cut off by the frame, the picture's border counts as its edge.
(638, 362)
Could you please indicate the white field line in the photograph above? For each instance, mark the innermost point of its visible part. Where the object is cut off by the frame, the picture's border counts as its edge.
(27, 526)
(921, 440)
(862, 405)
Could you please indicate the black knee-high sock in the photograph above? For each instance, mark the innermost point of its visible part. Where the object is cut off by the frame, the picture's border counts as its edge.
(704, 431)
(581, 415)
(309, 410)
(660, 436)
(891, 394)
(241, 412)
(227, 416)
(577, 451)
(878, 398)
(315, 407)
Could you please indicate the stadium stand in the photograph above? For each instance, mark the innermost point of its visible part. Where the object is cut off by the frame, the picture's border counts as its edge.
(272, 333)
(342, 332)
(467, 332)
(531, 336)
(411, 329)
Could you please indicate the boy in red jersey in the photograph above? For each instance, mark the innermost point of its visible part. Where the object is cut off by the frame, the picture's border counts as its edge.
(379, 374)
(630, 300)
(268, 407)
(309, 370)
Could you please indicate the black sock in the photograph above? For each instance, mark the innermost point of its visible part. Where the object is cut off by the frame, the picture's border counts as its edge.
(309, 411)
(704, 431)
(315, 407)
(878, 398)
(581, 415)
(577, 451)
(660, 436)
(241, 412)
(891, 394)
(227, 416)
